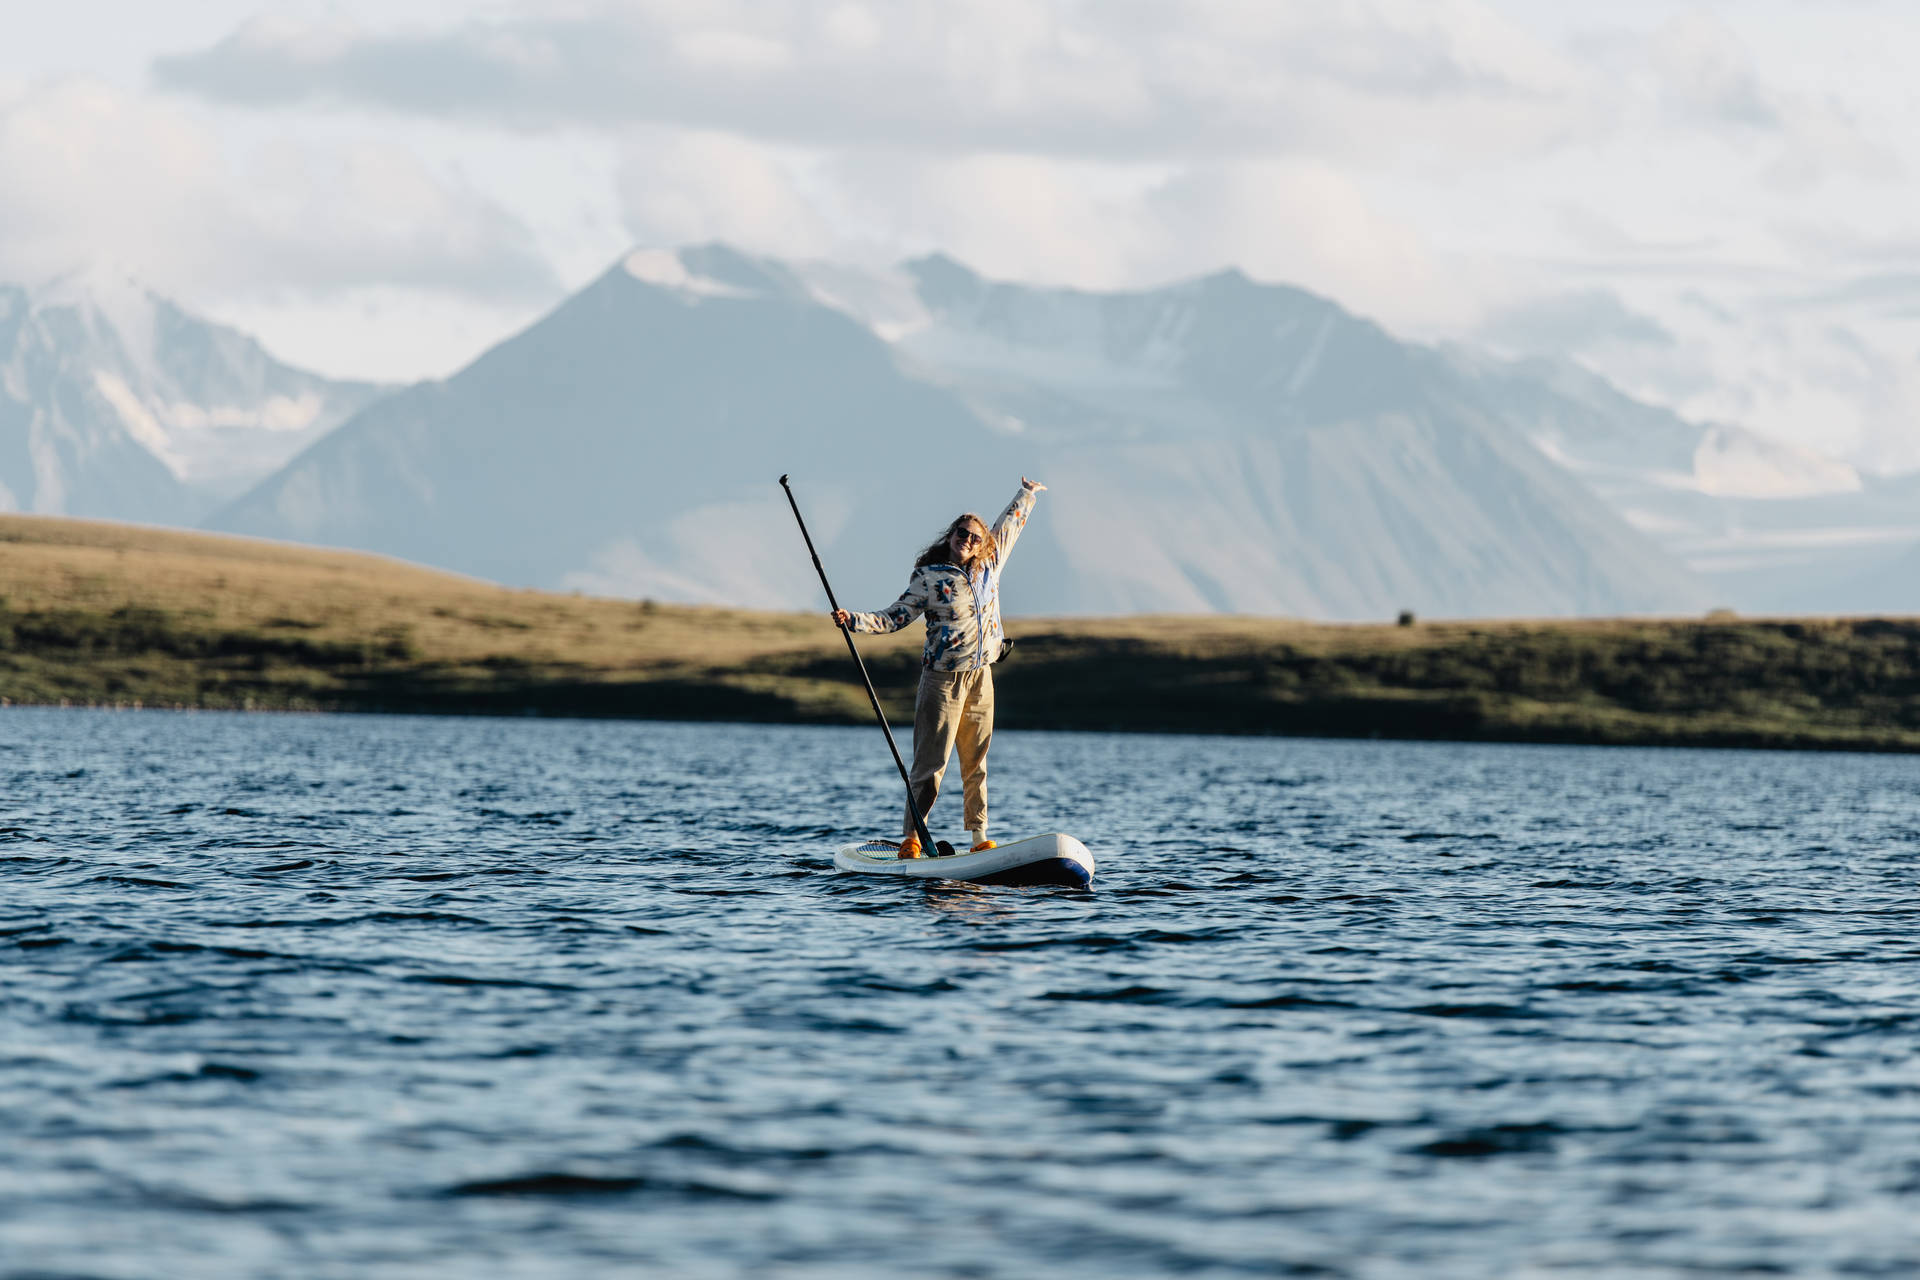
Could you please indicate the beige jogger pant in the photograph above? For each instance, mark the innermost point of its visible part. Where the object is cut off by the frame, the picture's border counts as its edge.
(953, 708)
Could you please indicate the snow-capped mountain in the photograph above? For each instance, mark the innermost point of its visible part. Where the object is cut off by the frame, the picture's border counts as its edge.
(1214, 445)
(116, 403)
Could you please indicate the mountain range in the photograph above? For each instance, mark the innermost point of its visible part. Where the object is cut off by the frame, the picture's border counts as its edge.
(1214, 445)
(116, 403)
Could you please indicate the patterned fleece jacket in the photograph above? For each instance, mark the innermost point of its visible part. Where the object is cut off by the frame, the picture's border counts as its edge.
(962, 608)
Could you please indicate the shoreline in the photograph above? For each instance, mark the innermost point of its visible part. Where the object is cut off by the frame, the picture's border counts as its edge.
(102, 614)
(1354, 720)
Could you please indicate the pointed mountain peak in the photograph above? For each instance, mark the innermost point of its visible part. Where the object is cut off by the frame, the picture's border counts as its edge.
(102, 284)
(681, 271)
(118, 315)
(1229, 277)
(711, 270)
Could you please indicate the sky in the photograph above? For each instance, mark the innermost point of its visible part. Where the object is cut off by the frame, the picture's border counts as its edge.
(1715, 205)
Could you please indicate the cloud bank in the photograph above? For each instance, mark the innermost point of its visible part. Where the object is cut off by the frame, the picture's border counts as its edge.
(92, 172)
(1709, 204)
(1118, 80)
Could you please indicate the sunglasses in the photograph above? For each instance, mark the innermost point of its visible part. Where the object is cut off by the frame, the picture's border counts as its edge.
(964, 536)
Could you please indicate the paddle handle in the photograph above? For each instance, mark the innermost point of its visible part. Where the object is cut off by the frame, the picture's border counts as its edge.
(846, 633)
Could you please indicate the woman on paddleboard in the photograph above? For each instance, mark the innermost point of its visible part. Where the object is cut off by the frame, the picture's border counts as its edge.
(956, 584)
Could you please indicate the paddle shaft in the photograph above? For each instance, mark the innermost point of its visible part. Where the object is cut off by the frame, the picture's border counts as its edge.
(913, 806)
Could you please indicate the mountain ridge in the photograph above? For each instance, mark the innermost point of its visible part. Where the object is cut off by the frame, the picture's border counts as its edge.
(1214, 444)
(1177, 398)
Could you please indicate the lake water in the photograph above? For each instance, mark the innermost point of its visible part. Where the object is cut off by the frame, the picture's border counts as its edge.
(377, 997)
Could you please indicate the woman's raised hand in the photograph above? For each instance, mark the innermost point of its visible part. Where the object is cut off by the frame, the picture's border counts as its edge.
(841, 618)
(1034, 485)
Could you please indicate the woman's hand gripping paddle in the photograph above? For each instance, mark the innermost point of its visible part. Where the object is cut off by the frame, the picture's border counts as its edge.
(940, 847)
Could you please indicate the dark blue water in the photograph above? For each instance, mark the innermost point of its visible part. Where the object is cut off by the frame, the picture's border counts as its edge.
(380, 997)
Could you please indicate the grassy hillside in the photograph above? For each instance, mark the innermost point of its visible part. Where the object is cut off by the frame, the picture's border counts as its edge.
(115, 614)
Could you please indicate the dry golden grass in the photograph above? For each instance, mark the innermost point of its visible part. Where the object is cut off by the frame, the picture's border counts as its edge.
(244, 584)
(245, 622)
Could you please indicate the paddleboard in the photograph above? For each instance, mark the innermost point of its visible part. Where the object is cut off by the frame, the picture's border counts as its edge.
(1051, 859)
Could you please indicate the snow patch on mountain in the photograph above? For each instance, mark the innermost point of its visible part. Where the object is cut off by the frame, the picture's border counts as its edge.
(136, 418)
(1310, 359)
(665, 269)
(886, 301)
(948, 321)
(1607, 473)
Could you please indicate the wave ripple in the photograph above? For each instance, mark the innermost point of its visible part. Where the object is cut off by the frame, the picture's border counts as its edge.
(392, 997)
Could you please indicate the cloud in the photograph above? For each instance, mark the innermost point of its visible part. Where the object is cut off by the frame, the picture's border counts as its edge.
(1011, 216)
(1658, 196)
(1124, 80)
(1695, 75)
(1303, 222)
(1704, 71)
(1595, 328)
(1894, 292)
(1796, 367)
(679, 188)
(1565, 323)
(1037, 219)
(373, 213)
(82, 166)
(93, 173)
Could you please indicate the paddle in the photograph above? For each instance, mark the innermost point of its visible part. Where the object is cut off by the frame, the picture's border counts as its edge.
(940, 847)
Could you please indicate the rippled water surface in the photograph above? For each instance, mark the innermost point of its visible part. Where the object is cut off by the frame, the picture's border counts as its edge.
(373, 997)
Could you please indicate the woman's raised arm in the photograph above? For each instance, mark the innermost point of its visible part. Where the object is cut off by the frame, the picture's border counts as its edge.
(1012, 521)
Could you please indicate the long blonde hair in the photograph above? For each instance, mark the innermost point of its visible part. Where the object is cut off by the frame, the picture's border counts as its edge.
(938, 552)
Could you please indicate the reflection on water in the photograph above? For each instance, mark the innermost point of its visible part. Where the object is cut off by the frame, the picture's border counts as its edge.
(962, 901)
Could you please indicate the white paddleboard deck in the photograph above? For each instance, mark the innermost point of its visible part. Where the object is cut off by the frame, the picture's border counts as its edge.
(1050, 859)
